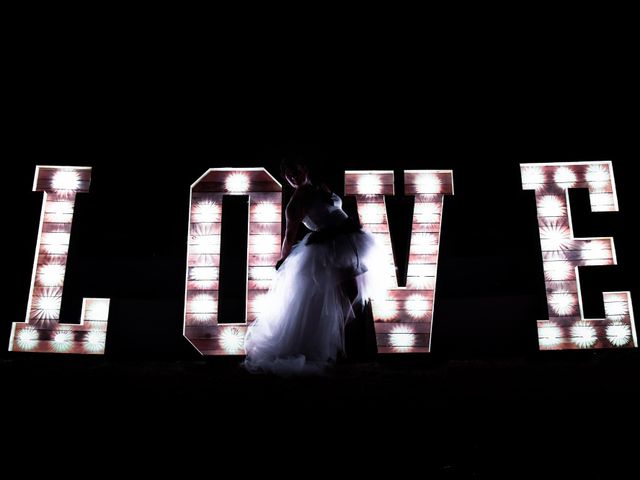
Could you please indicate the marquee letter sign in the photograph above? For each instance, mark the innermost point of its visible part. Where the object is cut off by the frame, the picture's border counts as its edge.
(201, 325)
(562, 253)
(403, 320)
(42, 330)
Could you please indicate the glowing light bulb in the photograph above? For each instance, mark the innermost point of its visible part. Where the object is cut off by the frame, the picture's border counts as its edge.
(56, 243)
(206, 211)
(97, 309)
(260, 303)
(565, 176)
(563, 303)
(556, 235)
(583, 335)
(385, 309)
(533, 176)
(550, 336)
(267, 212)
(237, 183)
(203, 273)
(597, 174)
(427, 183)
(48, 306)
(551, 206)
(595, 251)
(618, 334)
(65, 180)
(232, 340)
(28, 338)
(95, 341)
(369, 184)
(561, 270)
(51, 275)
(417, 306)
(402, 338)
(62, 340)
(616, 309)
(203, 304)
(371, 212)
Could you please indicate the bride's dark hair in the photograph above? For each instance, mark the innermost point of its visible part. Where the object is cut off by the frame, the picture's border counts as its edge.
(291, 162)
(294, 161)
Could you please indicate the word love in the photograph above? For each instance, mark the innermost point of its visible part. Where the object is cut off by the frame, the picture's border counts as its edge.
(402, 319)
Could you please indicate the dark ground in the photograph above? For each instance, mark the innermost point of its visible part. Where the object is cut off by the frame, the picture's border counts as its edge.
(557, 412)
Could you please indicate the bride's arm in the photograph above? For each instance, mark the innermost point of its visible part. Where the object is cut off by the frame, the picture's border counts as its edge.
(293, 215)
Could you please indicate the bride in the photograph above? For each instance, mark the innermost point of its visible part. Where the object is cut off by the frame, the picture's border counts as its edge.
(318, 283)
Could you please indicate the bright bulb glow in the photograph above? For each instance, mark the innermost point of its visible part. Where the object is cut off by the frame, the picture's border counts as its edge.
(203, 273)
(28, 338)
(266, 243)
(429, 210)
(417, 306)
(61, 207)
(566, 176)
(205, 240)
(424, 238)
(556, 236)
(65, 180)
(62, 340)
(60, 212)
(427, 183)
(603, 200)
(56, 243)
(584, 335)
(551, 206)
(550, 336)
(563, 303)
(421, 274)
(97, 309)
(424, 243)
(385, 310)
(47, 306)
(618, 334)
(206, 211)
(204, 244)
(203, 304)
(260, 303)
(237, 183)
(262, 273)
(371, 212)
(95, 341)
(232, 340)
(267, 212)
(204, 318)
(420, 283)
(597, 174)
(557, 255)
(51, 275)
(558, 271)
(402, 338)
(369, 185)
(264, 248)
(595, 251)
(616, 309)
(533, 176)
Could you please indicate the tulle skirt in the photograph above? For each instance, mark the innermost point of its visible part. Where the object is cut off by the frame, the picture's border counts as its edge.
(301, 330)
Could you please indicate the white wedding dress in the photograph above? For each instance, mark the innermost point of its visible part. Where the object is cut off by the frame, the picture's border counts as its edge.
(301, 330)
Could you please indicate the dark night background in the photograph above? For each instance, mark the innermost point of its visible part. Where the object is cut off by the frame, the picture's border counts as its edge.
(151, 115)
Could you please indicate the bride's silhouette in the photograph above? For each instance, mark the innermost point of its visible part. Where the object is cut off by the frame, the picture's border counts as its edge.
(318, 283)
